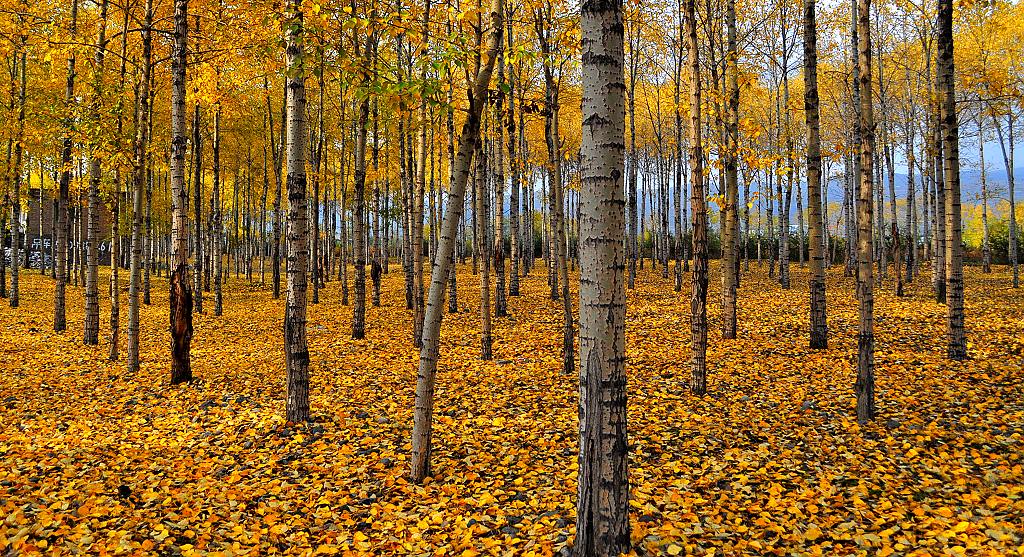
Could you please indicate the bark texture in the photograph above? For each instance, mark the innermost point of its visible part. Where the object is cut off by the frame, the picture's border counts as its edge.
(957, 338)
(181, 289)
(819, 326)
(296, 349)
(865, 385)
(602, 506)
(699, 206)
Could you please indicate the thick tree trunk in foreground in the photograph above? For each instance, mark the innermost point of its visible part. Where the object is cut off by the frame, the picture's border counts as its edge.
(180, 289)
(957, 347)
(602, 505)
(423, 414)
(865, 386)
(296, 350)
(819, 326)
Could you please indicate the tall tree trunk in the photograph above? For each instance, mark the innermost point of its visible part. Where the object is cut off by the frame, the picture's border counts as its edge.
(516, 174)
(482, 220)
(957, 347)
(180, 289)
(939, 184)
(16, 172)
(865, 385)
(116, 251)
(91, 332)
(315, 164)
(61, 260)
(197, 197)
(115, 283)
(422, 430)
(698, 203)
(785, 200)
(634, 246)
(359, 203)
(498, 249)
(275, 152)
(853, 170)
(602, 504)
(217, 222)
(911, 205)
(819, 326)
(730, 253)
(296, 349)
(677, 80)
(417, 201)
(139, 168)
(1008, 156)
(986, 250)
(150, 249)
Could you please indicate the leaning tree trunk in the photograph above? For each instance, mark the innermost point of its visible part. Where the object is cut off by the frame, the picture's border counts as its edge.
(602, 503)
(61, 263)
(91, 332)
(865, 386)
(422, 430)
(957, 346)
(296, 349)
(180, 288)
(819, 326)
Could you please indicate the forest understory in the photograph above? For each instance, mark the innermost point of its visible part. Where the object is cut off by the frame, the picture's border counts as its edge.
(769, 462)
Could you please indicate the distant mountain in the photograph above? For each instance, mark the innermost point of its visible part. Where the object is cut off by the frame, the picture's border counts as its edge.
(970, 184)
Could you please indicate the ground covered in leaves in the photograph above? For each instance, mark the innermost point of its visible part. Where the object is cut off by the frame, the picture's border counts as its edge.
(96, 461)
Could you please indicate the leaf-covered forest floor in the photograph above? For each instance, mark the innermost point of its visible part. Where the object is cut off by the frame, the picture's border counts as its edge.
(96, 461)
